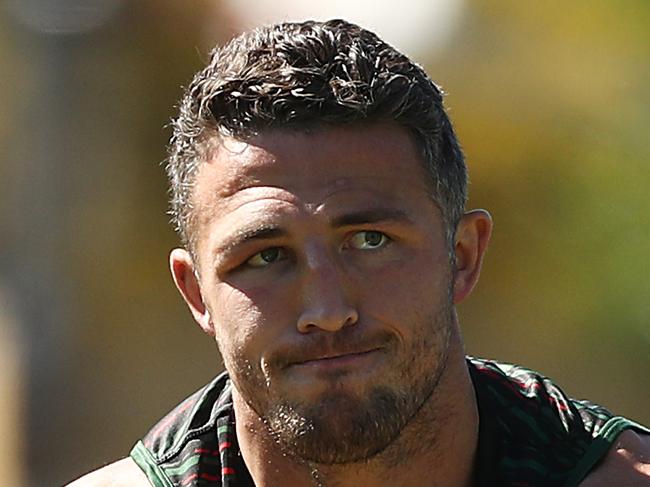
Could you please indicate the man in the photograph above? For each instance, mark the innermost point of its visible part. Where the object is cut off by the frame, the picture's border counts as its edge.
(319, 191)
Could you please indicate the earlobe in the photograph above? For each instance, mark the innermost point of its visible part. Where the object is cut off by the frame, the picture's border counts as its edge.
(187, 282)
(472, 237)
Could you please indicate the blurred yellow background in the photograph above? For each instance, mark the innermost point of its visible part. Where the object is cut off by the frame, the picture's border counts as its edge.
(551, 101)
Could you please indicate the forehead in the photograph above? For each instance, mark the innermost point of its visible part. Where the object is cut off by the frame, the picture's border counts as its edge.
(375, 160)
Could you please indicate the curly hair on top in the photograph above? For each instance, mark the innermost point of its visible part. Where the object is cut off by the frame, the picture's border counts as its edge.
(310, 74)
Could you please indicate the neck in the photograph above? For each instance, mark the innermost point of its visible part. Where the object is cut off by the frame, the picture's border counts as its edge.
(436, 448)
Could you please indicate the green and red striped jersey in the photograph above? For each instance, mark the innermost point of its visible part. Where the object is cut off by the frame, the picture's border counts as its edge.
(530, 434)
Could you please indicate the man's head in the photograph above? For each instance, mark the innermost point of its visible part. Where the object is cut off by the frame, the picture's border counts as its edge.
(320, 184)
(299, 76)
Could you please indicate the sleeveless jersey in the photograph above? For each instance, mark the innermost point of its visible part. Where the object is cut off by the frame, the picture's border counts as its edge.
(530, 434)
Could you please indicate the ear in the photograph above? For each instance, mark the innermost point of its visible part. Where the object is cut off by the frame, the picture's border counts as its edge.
(472, 236)
(187, 282)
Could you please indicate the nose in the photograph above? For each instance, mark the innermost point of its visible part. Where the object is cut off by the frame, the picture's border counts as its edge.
(326, 296)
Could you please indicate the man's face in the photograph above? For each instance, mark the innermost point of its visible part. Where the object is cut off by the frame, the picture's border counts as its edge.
(326, 281)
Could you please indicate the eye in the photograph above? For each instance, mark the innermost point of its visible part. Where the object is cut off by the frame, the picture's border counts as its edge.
(368, 240)
(266, 257)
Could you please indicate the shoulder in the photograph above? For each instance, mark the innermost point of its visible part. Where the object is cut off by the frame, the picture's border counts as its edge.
(195, 418)
(626, 463)
(571, 438)
(123, 473)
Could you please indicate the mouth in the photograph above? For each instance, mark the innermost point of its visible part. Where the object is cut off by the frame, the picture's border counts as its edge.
(338, 360)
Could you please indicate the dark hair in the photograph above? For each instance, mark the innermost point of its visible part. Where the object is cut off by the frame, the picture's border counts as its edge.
(297, 75)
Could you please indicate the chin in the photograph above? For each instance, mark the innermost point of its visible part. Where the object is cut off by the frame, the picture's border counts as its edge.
(340, 427)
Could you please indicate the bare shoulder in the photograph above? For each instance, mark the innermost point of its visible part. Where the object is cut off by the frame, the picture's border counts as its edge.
(627, 463)
(123, 473)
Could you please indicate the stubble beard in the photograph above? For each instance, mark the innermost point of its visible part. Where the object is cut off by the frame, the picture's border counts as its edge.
(343, 428)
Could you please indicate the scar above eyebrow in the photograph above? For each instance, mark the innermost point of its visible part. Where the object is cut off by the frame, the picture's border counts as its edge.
(374, 215)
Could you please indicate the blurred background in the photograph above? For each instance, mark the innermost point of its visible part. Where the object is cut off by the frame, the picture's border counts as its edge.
(551, 101)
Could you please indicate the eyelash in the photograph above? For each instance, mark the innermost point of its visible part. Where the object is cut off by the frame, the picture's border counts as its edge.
(280, 251)
(384, 239)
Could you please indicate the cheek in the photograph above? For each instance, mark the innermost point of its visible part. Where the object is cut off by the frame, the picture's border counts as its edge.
(234, 318)
(246, 322)
(407, 292)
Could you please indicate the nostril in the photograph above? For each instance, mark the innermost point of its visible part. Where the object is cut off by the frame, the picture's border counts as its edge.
(352, 318)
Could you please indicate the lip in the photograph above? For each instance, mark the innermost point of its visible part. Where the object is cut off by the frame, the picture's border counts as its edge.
(342, 361)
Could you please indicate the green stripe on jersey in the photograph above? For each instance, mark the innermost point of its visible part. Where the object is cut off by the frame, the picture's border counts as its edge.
(184, 467)
(147, 463)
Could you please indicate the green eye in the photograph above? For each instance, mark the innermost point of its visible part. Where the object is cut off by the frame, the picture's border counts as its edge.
(266, 257)
(368, 240)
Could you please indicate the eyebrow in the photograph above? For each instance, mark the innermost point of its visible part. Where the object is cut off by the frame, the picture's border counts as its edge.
(246, 235)
(375, 215)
